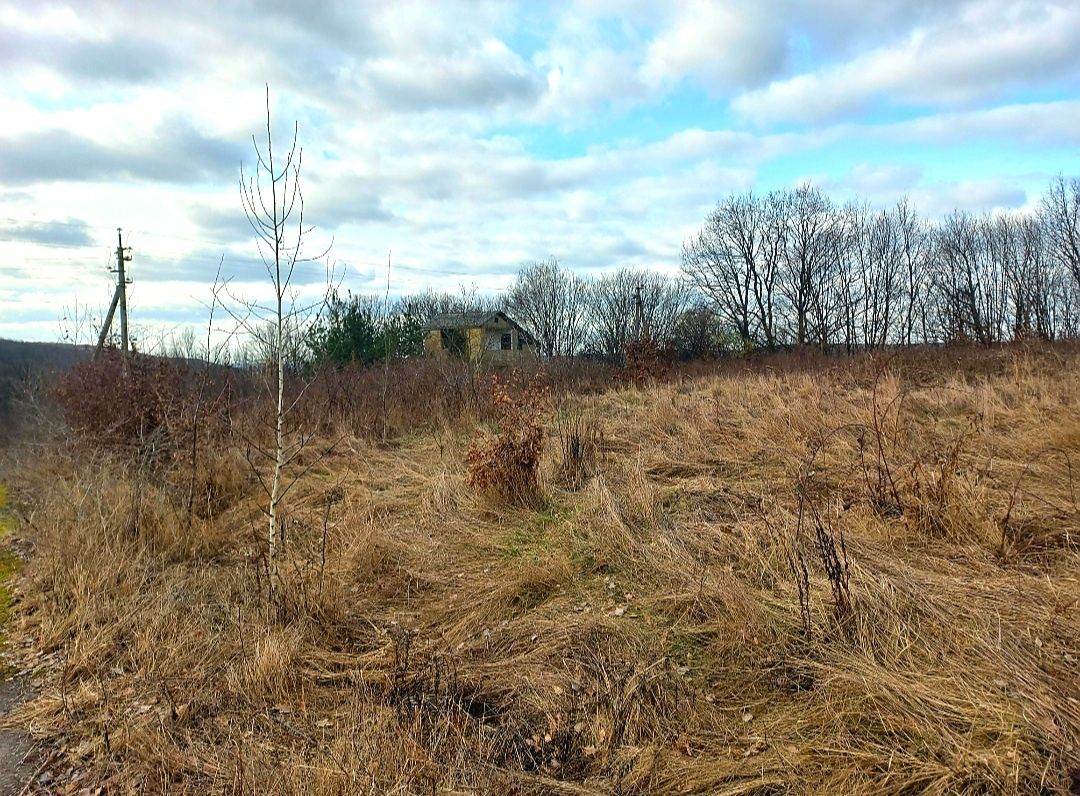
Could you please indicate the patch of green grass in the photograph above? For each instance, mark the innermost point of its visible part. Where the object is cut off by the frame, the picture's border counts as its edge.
(583, 557)
(9, 565)
(535, 539)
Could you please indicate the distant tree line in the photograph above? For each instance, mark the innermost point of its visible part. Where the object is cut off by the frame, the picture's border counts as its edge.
(767, 271)
(792, 267)
(568, 315)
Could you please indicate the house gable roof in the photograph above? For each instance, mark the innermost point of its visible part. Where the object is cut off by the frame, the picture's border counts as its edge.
(459, 320)
(469, 320)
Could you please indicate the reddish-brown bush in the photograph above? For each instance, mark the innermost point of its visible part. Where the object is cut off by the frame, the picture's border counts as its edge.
(117, 399)
(508, 464)
(646, 361)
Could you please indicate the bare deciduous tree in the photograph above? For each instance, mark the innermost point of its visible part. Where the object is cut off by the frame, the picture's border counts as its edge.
(735, 260)
(814, 234)
(551, 303)
(1061, 218)
(613, 310)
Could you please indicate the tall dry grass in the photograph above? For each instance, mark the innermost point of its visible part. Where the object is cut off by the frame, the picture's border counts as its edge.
(662, 622)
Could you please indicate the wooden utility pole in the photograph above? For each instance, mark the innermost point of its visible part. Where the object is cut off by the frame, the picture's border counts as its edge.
(640, 327)
(119, 298)
(122, 256)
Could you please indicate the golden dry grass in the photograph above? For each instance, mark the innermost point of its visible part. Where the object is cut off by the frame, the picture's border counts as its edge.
(638, 633)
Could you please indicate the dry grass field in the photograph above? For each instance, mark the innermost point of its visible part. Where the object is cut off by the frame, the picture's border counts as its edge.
(857, 578)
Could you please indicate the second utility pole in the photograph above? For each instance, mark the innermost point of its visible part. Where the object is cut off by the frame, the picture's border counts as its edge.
(121, 286)
(119, 298)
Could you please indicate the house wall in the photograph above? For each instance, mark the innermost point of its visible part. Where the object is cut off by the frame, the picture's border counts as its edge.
(484, 342)
(493, 350)
(475, 339)
(433, 341)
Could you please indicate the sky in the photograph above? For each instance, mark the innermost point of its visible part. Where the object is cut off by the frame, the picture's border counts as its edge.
(458, 140)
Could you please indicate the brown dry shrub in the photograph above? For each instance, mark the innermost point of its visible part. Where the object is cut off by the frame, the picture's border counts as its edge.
(507, 464)
(646, 361)
(373, 401)
(117, 400)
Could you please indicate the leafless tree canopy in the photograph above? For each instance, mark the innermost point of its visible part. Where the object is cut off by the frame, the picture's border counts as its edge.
(794, 268)
(1061, 223)
(630, 303)
(552, 303)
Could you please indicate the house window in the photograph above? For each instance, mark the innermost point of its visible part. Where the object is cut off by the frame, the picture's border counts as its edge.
(454, 342)
(507, 342)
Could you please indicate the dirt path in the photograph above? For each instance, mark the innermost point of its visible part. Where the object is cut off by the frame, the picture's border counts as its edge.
(15, 746)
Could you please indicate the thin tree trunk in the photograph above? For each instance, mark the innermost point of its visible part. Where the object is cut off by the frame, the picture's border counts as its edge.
(279, 443)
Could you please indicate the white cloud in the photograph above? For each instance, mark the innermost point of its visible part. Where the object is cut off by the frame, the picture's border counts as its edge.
(486, 76)
(1028, 124)
(587, 71)
(725, 45)
(939, 199)
(987, 49)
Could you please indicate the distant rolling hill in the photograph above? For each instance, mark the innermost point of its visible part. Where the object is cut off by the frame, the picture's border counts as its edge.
(16, 354)
(23, 364)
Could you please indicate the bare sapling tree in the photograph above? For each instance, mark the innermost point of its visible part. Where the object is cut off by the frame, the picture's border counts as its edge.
(80, 325)
(274, 205)
(186, 344)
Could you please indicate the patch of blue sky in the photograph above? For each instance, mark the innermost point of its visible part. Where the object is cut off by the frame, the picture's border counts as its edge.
(549, 142)
(531, 33)
(688, 107)
(916, 163)
(67, 100)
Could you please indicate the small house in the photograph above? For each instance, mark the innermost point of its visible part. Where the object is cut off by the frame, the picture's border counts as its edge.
(490, 336)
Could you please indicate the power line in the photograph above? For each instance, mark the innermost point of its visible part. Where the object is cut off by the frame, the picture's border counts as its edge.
(198, 257)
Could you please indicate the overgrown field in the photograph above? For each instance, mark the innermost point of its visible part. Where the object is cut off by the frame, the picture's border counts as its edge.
(857, 578)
